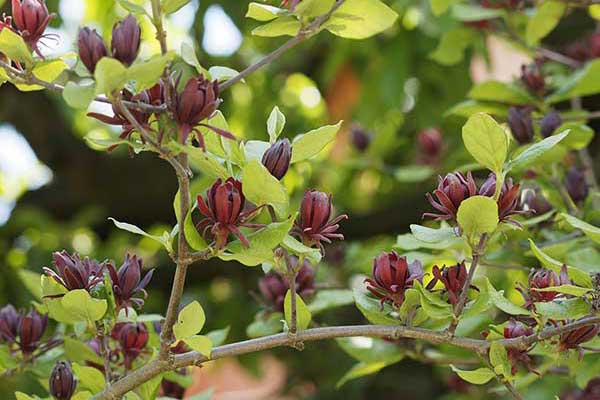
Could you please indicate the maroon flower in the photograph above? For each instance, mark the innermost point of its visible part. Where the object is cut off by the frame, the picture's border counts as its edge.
(31, 329)
(314, 224)
(430, 144)
(223, 212)
(521, 124)
(277, 158)
(171, 389)
(62, 382)
(453, 278)
(550, 123)
(513, 330)
(31, 18)
(9, 323)
(533, 79)
(392, 275)
(74, 273)
(128, 282)
(197, 102)
(508, 201)
(542, 279)
(576, 185)
(533, 200)
(118, 118)
(91, 48)
(132, 339)
(572, 339)
(451, 191)
(361, 139)
(274, 286)
(125, 43)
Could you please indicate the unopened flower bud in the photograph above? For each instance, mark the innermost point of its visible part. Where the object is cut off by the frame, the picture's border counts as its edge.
(533, 79)
(550, 123)
(277, 158)
(125, 42)
(9, 323)
(62, 382)
(430, 143)
(572, 339)
(360, 137)
(31, 329)
(533, 200)
(132, 338)
(576, 184)
(91, 48)
(521, 124)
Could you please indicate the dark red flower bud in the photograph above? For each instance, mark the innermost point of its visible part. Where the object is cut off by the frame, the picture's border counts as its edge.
(74, 273)
(430, 144)
(576, 184)
(277, 158)
(451, 191)
(392, 275)
(591, 391)
(274, 286)
(513, 330)
(171, 389)
(91, 48)
(31, 329)
(516, 329)
(197, 102)
(508, 201)
(578, 51)
(542, 279)
(533, 200)
(550, 123)
(314, 225)
(594, 43)
(31, 18)
(62, 382)
(223, 212)
(521, 124)
(132, 338)
(453, 278)
(128, 282)
(361, 139)
(533, 79)
(125, 42)
(578, 336)
(9, 323)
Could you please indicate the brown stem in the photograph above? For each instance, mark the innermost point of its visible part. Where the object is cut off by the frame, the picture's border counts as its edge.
(304, 33)
(511, 389)
(462, 300)
(161, 35)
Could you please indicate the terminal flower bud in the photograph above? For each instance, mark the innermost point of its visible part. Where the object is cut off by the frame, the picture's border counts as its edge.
(550, 123)
(62, 382)
(91, 48)
(31, 329)
(576, 184)
(277, 158)
(9, 323)
(125, 43)
(521, 124)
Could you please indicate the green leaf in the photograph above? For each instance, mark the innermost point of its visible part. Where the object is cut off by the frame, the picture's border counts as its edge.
(262, 244)
(132, 7)
(79, 95)
(21, 395)
(275, 124)
(547, 16)
(282, 26)
(501, 92)
(481, 303)
(477, 215)
(311, 143)
(221, 73)
(564, 309)
(479, 376)
(469, 107)
(532, 153)
(471, 12)
(89, 378)
(14, 46)
(303, 315)
(110, 75)
(218, 336)
(413, 173)
(372, 310)
(46, 71)
(330, 298)
(370, 350)
(583, 82)
(360, 19)
(576, 275)
(263, 12)
(566, 289)
(149, 389)
(313, 8)
(190, 321)
(203, 161)
(188, 54)
(451, 48)
(260, 187)
(265, 326)
(591, 231)
(82, 306)
(147, 73)
(201, 344)
(31, 280)
(502, 303)
(438, 7)
(164, 239)
(192, 236)
(499, 359)
(171, 6)
(486, 141)
(580, 135)
(295, 247)
(359, 370)
(430, 235)
(78, 351)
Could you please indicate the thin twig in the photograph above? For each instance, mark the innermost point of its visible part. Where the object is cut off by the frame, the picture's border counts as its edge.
(511, 389)
(558, 57)
(304, 33)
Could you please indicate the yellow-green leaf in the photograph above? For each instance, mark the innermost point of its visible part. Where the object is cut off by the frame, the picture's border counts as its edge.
(110, 75)
(303, 315)
(260, 187)
(360, 19)
(14, 46)
(190, 321)
(311, 143)
(201, 344)
(477, 215)
(486, 141)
